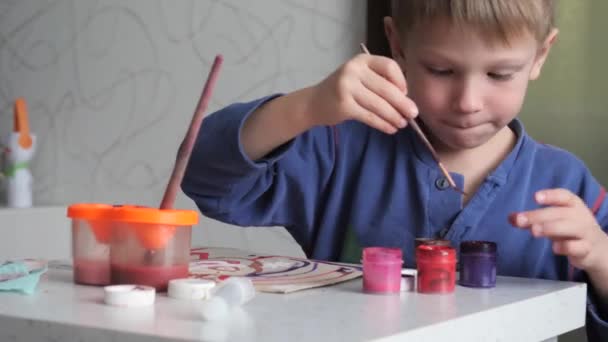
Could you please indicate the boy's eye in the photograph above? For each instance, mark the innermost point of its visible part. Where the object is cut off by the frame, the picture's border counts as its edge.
(500, 77)
(439, 71)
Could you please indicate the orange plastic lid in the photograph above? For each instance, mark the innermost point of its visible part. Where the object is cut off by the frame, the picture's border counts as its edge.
(156, 216)
(90, 211)
(99, 217)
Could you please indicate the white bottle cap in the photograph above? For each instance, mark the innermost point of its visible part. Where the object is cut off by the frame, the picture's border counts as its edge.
(129, 295)
(234, 291)
(190, 288)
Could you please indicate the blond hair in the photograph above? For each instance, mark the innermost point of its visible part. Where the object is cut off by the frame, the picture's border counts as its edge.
(495, 19)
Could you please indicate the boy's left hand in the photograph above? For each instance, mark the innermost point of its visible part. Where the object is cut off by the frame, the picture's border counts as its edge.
(569, 223)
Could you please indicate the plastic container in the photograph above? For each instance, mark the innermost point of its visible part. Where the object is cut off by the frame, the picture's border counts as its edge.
(478, 264)
(232, 293)
(19, 151)
(436, 269)
(151, 246)
(91, 233)
(382, 269)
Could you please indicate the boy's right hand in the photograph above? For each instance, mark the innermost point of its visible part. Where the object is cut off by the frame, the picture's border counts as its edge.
(371, 89)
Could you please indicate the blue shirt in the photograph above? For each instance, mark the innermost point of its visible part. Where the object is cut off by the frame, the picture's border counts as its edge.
(352, 183)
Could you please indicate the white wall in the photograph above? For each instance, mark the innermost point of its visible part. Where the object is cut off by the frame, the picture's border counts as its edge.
(111, 85)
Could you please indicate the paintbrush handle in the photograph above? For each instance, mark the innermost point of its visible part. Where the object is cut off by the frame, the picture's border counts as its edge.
(185, 148)
(426, 141)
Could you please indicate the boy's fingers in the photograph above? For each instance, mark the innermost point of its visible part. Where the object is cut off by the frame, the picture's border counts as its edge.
(371, 119)
(391, 94)
(374, 105)
(539, 216)
(389, 69)
(557, 197)
(572, 248)
(557, 230)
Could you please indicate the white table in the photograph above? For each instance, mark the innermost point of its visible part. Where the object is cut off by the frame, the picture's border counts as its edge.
(516, 310)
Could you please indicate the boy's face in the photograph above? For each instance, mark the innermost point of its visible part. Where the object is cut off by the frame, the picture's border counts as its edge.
(466, 89)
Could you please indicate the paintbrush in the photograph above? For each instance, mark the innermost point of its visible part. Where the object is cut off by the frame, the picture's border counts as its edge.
(426, 142)
(185, 148)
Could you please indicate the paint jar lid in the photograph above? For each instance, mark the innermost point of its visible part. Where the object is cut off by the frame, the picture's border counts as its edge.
(432, 241)
(478, 247)
(128, 296)
(190, 288)
(382, 254)
(435, 253)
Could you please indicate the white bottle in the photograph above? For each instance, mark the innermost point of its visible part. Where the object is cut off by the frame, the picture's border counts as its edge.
(18, 151)
(232, 293)
(17, 173)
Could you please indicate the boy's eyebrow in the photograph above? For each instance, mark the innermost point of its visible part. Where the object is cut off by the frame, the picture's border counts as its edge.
(508, 63)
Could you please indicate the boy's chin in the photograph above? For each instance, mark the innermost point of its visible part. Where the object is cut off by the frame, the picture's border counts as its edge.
(461, 143)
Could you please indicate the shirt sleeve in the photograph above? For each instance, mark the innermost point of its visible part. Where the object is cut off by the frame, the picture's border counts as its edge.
(282, 189)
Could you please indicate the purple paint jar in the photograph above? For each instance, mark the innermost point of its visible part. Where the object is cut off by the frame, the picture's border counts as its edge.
(478, 264)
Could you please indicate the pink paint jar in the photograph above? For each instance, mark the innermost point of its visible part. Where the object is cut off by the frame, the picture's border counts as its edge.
(382, 269)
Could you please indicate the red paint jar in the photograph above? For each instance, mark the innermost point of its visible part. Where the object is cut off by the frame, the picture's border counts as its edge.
(430, 241)
(436, 269)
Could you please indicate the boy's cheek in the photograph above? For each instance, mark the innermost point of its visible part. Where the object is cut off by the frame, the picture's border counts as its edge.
(429, 96)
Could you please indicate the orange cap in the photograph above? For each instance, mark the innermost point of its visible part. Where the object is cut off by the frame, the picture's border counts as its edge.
(21, 124)
(99, 217)
(90, 211)
(154, 227)
(150, 215)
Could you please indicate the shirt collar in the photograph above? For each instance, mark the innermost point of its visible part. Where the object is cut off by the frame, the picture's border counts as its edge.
(499, 175)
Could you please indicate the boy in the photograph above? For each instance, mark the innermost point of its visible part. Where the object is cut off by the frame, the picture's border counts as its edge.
(336, 165)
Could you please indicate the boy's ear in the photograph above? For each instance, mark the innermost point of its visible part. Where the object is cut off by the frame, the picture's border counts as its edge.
(392, 35)
(543, 53)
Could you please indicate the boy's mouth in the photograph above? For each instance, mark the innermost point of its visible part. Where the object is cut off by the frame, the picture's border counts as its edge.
(462, 125)
(465, 124)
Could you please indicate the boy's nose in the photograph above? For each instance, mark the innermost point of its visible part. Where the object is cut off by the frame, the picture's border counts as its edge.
(467, 98)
